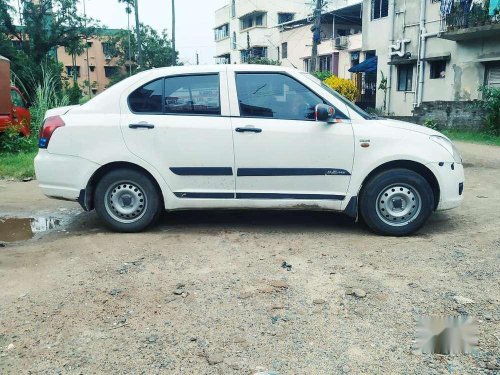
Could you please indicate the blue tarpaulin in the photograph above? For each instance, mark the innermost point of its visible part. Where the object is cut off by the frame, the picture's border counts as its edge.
(367, 66)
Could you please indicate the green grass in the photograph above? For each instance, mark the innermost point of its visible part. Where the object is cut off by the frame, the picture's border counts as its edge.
(473, 137)
(17, 166)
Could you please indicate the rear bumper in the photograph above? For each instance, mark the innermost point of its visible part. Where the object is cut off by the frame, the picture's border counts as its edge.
(63, 176)
(451, 184)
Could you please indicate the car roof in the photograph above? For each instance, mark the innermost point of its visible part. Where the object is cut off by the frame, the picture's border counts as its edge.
(189, 69)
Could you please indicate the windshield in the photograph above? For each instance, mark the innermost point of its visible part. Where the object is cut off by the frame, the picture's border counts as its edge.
(348, 103)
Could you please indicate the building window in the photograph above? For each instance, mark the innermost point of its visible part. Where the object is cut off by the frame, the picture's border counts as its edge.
(380, 9)
(92, 68)
(255, 52)
(233, 8)
(234, 41)
(109, 50)
(253, 20)
(285, 17)
(69, 71)
(89, 44)
(325, 63)
(438, 69)
(259, 20)
(493, 75)
(109, 71)
(405, 77)
(222, 32)
(307, 64)
(284, 50)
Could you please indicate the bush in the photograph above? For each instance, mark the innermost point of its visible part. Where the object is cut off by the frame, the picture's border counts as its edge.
(47, 94)
(491, 104)
(345, 87)
(431, 124)
(322, 75)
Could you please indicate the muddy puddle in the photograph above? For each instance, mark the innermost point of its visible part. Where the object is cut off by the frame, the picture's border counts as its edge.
(22, 229)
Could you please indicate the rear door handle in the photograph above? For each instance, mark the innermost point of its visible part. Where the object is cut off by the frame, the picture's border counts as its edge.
(141, 126)
(249, 129)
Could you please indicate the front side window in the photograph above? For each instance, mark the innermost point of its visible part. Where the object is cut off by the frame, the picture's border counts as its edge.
(405, 77)
(274, 95)
(199, 95)
(380, 9)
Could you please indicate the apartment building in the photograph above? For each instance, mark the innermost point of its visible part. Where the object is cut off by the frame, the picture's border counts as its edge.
(249, 28)
(341, 39)
(100, 66)
(429, 50)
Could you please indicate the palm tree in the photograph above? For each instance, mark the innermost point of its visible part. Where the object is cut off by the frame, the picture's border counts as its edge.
(134, 4)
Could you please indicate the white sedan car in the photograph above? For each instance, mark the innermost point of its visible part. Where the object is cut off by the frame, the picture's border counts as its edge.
(242, 136)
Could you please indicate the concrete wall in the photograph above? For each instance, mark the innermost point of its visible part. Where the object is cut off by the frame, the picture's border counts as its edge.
(448, 114)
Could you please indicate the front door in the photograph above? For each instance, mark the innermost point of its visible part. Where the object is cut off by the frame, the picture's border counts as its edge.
(180, 125)
(281, 152)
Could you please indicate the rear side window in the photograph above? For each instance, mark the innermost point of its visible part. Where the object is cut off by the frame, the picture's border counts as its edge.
(148, 98)
(193, 94)
(17, 100)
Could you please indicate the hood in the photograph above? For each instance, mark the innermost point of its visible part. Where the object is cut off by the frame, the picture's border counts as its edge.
(59, 111)
(408, 126)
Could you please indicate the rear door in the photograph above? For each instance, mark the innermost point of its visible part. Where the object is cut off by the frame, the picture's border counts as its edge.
(281, 152)
(180, 125)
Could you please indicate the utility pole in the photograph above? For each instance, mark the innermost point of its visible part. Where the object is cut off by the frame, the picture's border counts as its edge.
(87, 49)
(138, 32)
(316, 29)
(174, 57)
(197, 58)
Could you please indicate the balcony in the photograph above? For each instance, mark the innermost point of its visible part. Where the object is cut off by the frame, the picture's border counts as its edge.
(463, 25)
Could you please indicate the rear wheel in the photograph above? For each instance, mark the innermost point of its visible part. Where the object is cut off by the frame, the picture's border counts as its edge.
(396, 202)
(127, 200)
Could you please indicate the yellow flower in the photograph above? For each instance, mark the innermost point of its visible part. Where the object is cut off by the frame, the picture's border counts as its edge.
(344, 87)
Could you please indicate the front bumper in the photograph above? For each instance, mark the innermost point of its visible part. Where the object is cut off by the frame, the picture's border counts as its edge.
(451, 181)
(63, 176)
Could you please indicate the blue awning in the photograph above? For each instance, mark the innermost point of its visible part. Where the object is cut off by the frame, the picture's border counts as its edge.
(367, 66)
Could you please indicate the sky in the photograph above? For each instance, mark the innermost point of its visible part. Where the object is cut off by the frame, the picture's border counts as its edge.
(194, 22)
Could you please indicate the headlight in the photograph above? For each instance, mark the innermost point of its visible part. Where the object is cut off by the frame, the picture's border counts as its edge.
(448, 146)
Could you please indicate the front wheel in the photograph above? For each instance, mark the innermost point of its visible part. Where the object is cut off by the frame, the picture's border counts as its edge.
(396, 202)
(127, 200)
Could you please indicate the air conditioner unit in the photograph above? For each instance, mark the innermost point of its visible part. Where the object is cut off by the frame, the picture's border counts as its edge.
(342, 42)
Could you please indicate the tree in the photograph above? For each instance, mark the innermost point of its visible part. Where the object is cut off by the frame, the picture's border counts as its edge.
(157, 50)
(48, 24)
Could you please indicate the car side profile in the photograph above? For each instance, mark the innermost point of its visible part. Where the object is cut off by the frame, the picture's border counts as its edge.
(242, 136)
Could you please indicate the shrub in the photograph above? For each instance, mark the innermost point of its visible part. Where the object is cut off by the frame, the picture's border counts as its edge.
(343, 86)
(322, 75)
(491, 104)
(431, 124)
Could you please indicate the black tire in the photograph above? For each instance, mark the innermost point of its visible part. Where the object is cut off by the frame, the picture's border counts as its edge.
(139, 205)
(399, 215)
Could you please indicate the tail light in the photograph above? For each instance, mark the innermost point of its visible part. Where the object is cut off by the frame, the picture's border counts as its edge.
(49, 126)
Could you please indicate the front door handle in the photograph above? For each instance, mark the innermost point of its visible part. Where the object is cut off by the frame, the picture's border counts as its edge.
(141, 126)
(249, 129)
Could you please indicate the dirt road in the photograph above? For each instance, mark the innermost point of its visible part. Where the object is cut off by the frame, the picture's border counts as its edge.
(206, 293)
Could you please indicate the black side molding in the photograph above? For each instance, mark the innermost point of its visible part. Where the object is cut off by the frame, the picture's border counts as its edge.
(202, 171)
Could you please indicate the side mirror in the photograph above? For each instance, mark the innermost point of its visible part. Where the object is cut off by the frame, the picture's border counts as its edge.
(325, 113)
